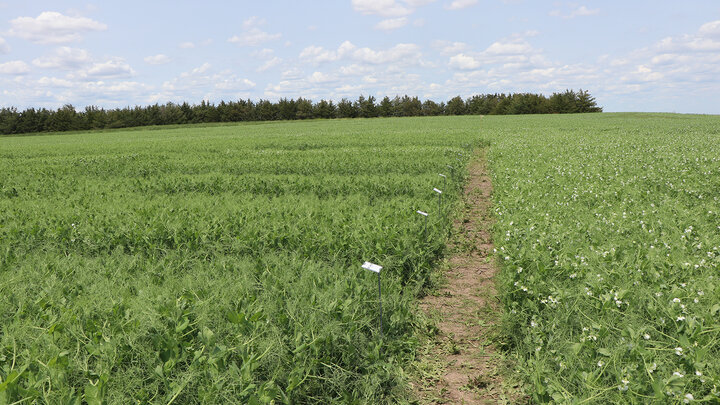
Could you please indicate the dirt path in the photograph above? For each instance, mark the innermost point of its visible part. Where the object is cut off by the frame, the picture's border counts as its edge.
(460, 366)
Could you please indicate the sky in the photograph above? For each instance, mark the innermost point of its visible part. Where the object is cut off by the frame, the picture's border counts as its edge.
(632, 55)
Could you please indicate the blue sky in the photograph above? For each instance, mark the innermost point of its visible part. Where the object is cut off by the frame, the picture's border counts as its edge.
(632, 55)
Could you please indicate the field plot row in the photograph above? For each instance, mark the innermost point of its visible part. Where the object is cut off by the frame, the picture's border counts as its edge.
(221, 264)
(608, 228)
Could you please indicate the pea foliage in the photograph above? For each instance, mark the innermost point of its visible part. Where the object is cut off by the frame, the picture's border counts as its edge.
(608, 231)
(220, 264)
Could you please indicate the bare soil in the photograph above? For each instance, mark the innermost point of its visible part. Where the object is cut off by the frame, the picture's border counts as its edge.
(460, 365)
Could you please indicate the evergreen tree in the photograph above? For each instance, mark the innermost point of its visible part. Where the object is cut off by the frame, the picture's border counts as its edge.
(586, 103)
(366, 107)
(431, 108)
(304, 109)
(66, 118)
(266, 111)
(346, 109)
(325, 109)
(286, 109)
(456, 106)
(386, 108)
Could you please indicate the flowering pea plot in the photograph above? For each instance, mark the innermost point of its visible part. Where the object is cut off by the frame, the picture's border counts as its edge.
(219, 264)
(608, 230)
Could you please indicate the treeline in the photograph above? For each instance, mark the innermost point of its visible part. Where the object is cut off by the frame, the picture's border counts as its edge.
(68, 118)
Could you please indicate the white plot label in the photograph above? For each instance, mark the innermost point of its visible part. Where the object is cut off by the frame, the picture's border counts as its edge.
(442, 175)
(437, 191)
(422, 213)
(372, 267)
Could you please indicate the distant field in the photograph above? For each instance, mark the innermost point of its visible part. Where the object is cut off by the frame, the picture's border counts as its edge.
(608, 231)
(219, 264)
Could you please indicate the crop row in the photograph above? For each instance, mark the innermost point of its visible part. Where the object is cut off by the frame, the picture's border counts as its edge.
(210, 278)
(608, 234)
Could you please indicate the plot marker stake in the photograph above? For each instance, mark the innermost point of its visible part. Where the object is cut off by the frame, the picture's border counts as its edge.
(439, 199)
(425, 214)
(374, 267)
(444, 180)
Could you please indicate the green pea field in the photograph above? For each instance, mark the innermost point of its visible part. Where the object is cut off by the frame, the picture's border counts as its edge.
(222, 263)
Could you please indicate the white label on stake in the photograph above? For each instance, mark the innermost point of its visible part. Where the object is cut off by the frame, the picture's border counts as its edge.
(422, 213)
(437, 191)
(442, 175)
(449, 167)
(372, 267)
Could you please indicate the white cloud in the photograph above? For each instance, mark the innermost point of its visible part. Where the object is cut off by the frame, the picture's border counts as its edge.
(385, 8)
(159, 59)
(449, 48)
(53, 28)
(355, 70)
(267, 56)
(4, 47)
(265, 53)
(513, 47)
(187, 45)
(252, 35)
(683, 60)
(101, 87)
(55, 82)
(400, 53)
(512, 53)
(291, 74)
(388, 8)
(460, 4)
(688, 43)
(417, 3)
(234, 83)
(202, 84)
(581, 11)
(110, 69)
(16, 67)
(198, 70)
(320, 77)
(391, 24)
(349, 90)
(690, 61)
(464, 62)
(63, 58)
(642, 74)
(710, 29)
(269, 64)
(287, 88)
(403, 53)
(318, 54)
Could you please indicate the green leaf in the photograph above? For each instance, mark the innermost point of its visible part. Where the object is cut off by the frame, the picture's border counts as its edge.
(604, 352)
